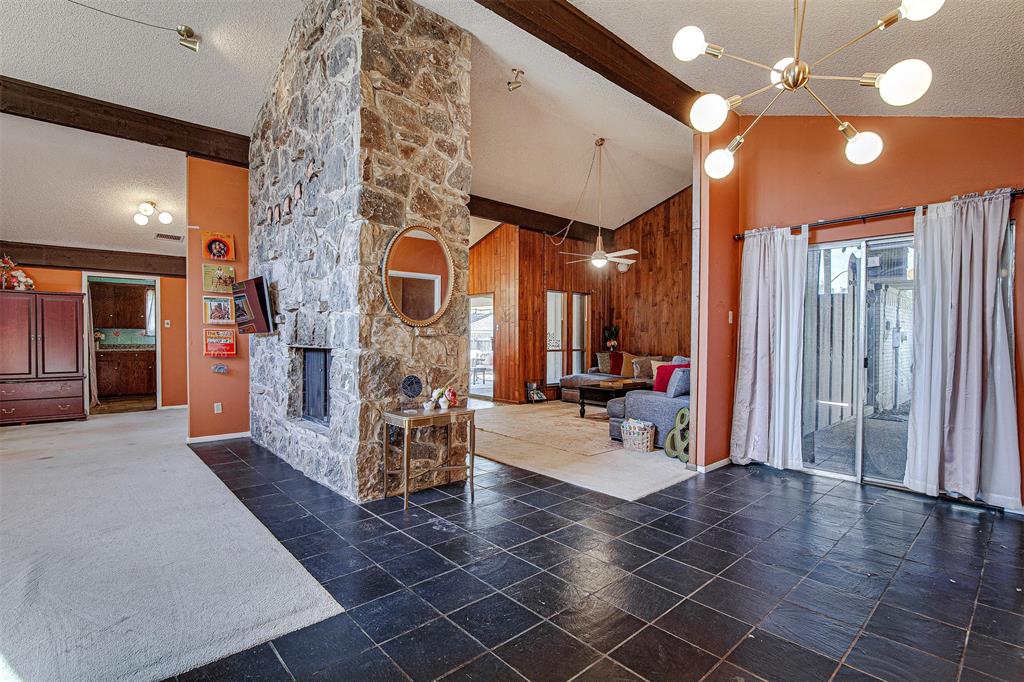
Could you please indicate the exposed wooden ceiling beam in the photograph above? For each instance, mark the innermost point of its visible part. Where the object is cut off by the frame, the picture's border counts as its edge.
(527, 218)
(38, 102)
(567, 29)
(73, 258)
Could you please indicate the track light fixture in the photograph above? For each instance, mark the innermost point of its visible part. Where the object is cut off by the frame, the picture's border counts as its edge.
(186, 36)
(516, 82)
(904, 83)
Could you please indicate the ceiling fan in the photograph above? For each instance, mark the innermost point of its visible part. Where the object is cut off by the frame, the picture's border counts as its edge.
(599, 258)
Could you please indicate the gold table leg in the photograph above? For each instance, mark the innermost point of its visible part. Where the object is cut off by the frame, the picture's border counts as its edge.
(405, 465)
(472, 457)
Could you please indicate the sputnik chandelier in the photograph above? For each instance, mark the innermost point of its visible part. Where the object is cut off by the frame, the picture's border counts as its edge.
(904, 83)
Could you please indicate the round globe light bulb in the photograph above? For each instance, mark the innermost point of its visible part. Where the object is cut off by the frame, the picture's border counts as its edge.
(141, 219)
(905, 82)
(689, 43)
(622, 267)
(916, 10)
(863, 148)
(709, 112)
(147, 208)
(719, 163)
(599, 259)
(776, 73)
(165, 217)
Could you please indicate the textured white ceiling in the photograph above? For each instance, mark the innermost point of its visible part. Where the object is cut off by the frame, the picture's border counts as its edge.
(64, 46)
(532, 147)
(73, 188)
(973, 46)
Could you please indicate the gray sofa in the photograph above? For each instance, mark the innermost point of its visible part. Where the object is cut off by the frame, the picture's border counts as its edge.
(649, 406)
(570, 384)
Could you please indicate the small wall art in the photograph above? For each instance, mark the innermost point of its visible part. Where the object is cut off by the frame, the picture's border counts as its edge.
(218, 245)
(219, 343)
(218, 279)
(218, 310)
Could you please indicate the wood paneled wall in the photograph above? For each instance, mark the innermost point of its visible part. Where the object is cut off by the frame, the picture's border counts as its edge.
(651, 302)
(494, 269)
(543, 268)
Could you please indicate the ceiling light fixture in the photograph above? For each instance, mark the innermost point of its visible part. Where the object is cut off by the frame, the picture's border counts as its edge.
(904, 83)
(186, 36)
(517, 80)
(148, 208)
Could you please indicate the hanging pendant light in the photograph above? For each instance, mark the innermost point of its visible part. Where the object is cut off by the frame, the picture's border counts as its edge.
(904, 83)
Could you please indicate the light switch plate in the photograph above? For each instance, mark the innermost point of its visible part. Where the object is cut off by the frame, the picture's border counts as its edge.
(218, 408)
(167, 324)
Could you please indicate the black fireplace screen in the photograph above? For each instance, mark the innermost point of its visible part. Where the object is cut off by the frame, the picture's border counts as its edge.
(316, 398)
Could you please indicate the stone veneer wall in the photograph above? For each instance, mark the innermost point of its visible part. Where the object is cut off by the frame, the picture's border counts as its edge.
(376, 94)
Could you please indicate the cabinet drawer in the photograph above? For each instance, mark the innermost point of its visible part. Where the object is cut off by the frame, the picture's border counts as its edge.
(16, 410)
(41, 389)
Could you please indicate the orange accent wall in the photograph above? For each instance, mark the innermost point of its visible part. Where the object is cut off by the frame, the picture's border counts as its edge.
(173, 342)
(218, 201)
(792, 169)
(54, 279)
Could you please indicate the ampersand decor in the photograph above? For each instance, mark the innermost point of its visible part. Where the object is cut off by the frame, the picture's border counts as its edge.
(677, 441)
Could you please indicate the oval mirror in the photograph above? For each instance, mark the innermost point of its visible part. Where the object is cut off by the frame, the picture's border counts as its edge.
(418, 275)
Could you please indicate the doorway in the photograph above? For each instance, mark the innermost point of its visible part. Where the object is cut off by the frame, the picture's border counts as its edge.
(858, 361)
(481, 346)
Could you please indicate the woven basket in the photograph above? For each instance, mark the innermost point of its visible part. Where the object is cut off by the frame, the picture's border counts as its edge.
(638, 437)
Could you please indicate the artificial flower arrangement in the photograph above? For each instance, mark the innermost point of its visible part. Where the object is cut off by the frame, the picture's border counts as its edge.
(611, 337)
(13, 278)
(443, 397)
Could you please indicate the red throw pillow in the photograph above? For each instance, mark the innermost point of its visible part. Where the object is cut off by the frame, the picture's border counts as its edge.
(661, 379)
(615, 358)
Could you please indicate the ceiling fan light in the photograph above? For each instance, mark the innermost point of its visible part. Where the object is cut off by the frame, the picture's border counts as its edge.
(709, 112)
(140, 219)
(165, 217)
(147, 208)
(905, 82)
(917, 10)
(689, 43)
(622, 267)
(599, 259)
(776, 73)
(863, 148)
(719, 163)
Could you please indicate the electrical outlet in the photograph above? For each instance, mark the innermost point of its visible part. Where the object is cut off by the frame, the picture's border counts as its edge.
(730, 317)
(167, 324)
(218, 408)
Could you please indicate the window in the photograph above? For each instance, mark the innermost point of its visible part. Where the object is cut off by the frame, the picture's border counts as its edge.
(316, 397)
(580, 332)
(555, 339)
(150, 312)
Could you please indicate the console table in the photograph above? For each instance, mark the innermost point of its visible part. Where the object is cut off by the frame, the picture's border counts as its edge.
(410, 419)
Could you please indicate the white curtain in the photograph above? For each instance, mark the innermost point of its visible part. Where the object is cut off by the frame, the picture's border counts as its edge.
(769, 365)
(963, 427)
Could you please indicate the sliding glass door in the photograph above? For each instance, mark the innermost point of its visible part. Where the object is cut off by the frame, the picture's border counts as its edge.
(858, 318)
(482, 376)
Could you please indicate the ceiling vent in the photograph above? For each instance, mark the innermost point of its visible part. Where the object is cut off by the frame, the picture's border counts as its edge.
(169, 237)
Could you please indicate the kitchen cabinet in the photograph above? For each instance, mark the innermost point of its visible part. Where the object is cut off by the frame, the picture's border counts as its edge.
(118, 306)
(125, 373)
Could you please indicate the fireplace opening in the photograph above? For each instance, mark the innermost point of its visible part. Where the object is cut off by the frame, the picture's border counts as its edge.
(316, 397)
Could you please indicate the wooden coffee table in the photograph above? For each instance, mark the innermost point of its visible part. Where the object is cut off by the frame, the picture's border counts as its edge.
(600, 395)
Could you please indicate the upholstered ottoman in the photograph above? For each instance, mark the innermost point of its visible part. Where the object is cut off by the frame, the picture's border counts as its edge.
(616, 415)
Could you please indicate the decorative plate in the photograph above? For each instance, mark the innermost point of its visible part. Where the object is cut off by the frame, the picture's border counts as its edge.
(412, 386)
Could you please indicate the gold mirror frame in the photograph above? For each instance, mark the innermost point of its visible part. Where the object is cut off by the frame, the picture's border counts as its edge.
(446, 297)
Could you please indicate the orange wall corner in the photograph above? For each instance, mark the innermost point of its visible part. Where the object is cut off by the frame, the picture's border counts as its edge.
(173, 340)
(218, 201)
(54, 279)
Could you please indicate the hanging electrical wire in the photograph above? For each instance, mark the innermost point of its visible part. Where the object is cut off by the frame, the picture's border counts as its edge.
(559, 237)
(187, 37)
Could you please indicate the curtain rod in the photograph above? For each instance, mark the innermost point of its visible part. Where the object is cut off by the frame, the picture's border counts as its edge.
(863, 217)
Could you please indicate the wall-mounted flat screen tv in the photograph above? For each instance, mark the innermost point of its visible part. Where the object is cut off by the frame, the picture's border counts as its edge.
(253, 313)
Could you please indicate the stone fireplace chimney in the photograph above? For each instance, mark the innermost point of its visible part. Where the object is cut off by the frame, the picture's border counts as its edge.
(365, 132)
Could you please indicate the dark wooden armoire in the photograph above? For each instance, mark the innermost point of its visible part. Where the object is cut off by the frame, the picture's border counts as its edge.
(42, 373)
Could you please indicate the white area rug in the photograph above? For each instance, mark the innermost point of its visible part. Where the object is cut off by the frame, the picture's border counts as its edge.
(551, 439)
(122, 557)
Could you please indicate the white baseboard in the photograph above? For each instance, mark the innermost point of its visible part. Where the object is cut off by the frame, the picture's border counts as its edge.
(717, 465)
(172, 407)
(218, 436)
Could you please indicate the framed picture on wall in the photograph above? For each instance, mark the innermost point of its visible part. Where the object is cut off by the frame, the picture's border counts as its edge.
(217, 278)
(218, 310)
(218, 246)
(219, 343)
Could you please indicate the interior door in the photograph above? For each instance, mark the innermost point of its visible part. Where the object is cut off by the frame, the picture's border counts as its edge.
(58, 335)
(17, 329)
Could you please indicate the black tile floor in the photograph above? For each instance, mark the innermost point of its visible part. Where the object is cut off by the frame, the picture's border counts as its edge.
(739, 574)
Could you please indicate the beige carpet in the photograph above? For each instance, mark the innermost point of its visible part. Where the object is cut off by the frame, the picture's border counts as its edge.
(122, 557)
(551, 439)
